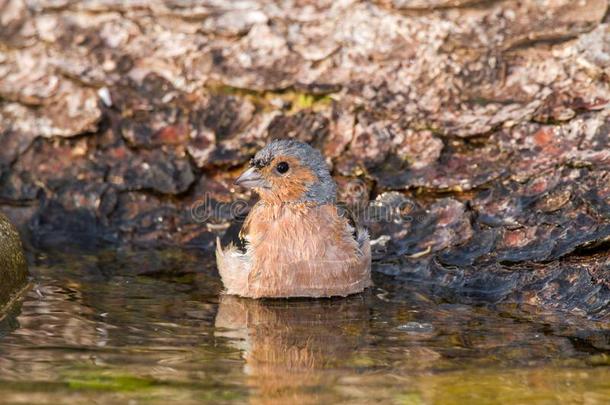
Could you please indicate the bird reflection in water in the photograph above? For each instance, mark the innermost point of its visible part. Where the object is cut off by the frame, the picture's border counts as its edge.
(289, 345)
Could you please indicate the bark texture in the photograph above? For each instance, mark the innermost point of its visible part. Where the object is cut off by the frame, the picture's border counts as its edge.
(485, 124)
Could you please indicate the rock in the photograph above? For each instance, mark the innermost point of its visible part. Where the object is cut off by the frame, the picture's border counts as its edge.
(13, 265)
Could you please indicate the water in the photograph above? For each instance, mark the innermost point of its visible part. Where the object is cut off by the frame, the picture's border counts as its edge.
(150, 327)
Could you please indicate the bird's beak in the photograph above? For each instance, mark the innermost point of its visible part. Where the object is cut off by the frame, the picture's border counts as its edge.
(251, 178)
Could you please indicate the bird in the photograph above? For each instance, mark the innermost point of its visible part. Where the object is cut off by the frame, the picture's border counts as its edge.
(297, 241)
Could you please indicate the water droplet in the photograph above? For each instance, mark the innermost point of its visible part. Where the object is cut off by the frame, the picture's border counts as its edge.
(416, 327)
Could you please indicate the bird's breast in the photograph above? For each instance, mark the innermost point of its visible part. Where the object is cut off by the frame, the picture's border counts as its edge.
(294, 233)
(297, 251)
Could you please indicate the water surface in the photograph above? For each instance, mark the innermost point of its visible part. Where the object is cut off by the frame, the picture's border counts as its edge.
(150, 327)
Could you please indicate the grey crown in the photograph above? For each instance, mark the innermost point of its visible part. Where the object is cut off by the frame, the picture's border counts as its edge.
(323, 191)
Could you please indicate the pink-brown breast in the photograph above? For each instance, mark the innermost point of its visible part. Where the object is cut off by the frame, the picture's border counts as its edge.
(299, 250)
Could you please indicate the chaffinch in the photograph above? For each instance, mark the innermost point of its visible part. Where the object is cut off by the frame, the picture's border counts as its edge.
(297, 242)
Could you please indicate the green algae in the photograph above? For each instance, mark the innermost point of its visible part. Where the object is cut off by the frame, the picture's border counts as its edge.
(115, 383)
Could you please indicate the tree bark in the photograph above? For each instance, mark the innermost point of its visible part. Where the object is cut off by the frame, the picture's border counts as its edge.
(484, 124)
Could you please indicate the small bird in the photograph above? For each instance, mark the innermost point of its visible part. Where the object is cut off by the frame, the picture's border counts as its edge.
(297, 241)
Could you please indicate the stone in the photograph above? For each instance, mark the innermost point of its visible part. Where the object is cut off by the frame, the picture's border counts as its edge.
(13, 265)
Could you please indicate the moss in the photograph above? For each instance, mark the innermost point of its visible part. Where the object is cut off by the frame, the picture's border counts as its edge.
(293, 100)
(304, 101)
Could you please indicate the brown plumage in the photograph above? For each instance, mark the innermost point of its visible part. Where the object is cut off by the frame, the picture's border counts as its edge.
(297, 242)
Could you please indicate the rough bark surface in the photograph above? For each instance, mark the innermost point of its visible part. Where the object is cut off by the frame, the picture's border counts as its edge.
(485, 124)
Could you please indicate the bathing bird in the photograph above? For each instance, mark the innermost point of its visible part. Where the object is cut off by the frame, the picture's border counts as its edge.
(297, 242)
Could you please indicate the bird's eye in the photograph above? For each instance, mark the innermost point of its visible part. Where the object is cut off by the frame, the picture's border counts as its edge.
(282, 167)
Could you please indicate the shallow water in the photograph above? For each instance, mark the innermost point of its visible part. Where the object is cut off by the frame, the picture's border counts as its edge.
(150, 327)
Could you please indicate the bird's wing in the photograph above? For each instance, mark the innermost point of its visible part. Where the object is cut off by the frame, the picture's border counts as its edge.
(235, 234)
(234, 267)
(359, 233)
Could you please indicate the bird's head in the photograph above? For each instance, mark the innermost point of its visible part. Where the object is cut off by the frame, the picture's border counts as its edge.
(289, 171)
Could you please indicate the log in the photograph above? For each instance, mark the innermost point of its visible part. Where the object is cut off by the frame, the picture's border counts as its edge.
(483, 124)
